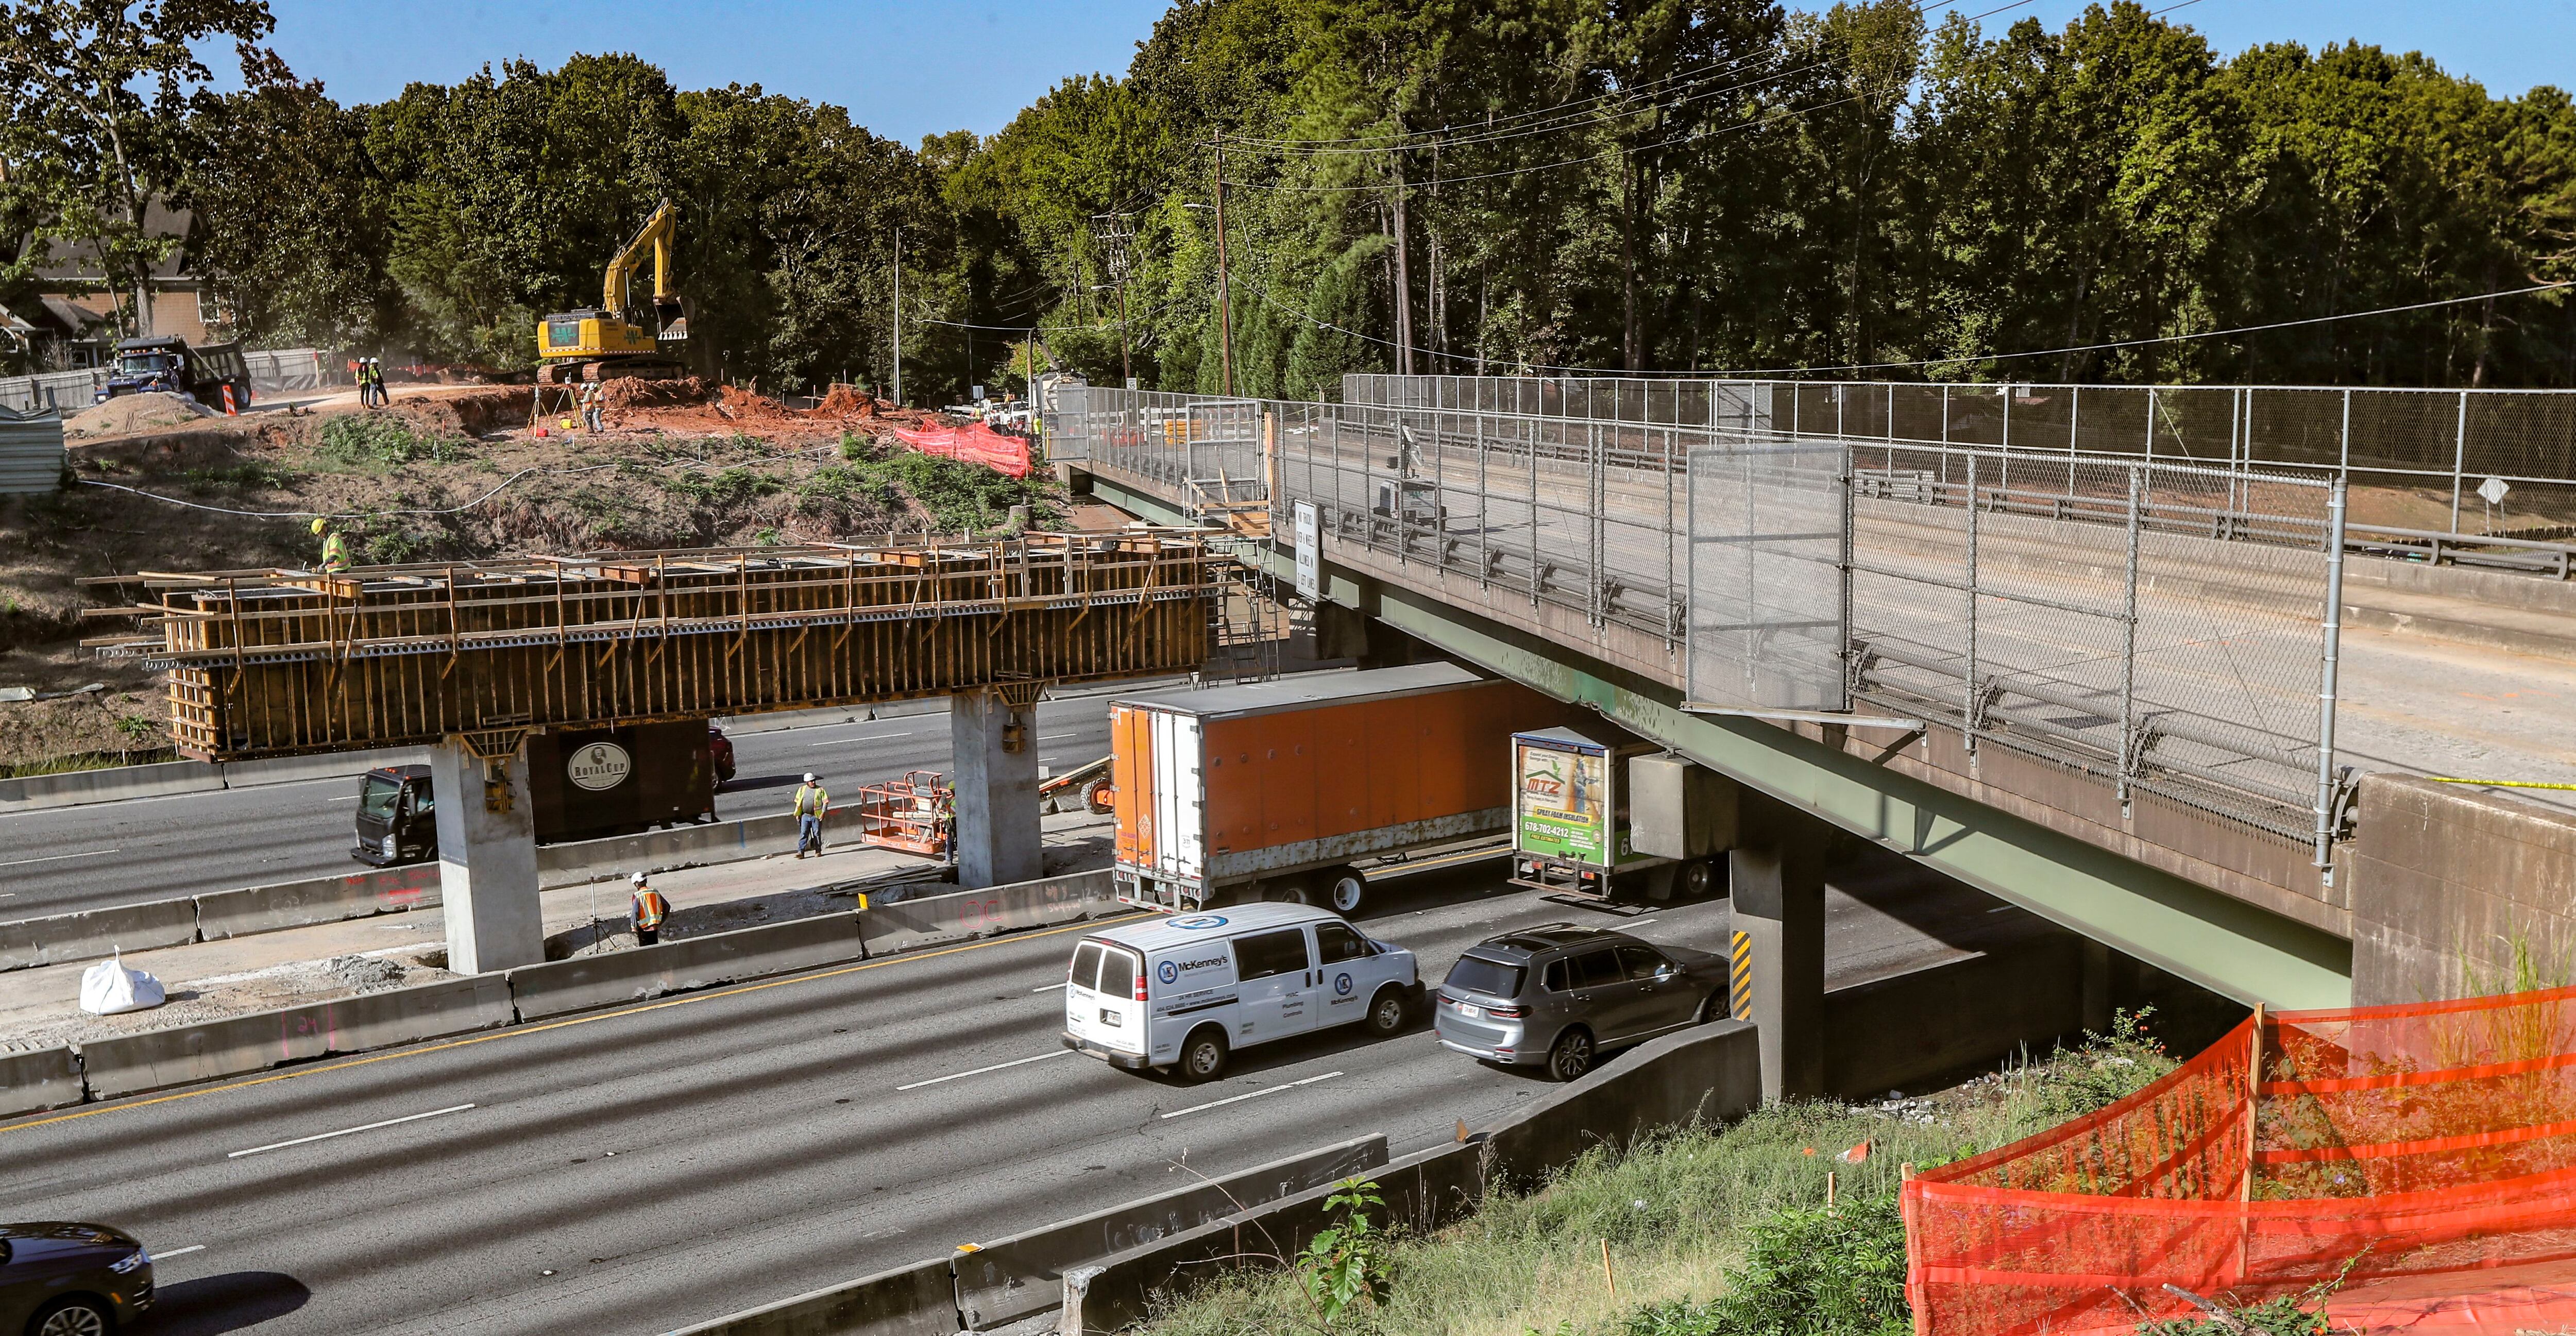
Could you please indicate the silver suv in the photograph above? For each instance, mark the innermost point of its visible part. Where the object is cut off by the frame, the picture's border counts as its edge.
(1562, 995)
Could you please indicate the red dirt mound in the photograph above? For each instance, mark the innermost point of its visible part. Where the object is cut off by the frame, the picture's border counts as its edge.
(846, 402)
(627, 392)
(743, 404)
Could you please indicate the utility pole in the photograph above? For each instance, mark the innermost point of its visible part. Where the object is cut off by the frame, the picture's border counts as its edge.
(898, 315)
(1224, 295)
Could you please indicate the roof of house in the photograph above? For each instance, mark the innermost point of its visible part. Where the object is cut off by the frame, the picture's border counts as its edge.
(77, 261)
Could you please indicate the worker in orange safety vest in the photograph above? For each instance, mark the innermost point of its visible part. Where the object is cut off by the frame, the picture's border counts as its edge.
(647, 909)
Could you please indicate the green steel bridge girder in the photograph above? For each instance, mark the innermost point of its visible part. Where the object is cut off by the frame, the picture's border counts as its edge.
(2184, 928)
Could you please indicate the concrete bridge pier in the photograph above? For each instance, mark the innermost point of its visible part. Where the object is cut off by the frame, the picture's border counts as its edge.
(994, 746)
(1778, 866)
(487, 858)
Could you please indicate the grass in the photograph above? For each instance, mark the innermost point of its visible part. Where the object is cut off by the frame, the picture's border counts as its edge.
(375, 442)
(79, 761)
(1709, 1230)
(961, 497)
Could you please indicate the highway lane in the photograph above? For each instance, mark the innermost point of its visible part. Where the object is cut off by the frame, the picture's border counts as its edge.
(73, 858)
(636, 1170)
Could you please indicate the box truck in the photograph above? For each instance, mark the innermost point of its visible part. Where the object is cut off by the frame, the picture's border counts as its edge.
(1574, 818)
(585, 784)
(1297, 789)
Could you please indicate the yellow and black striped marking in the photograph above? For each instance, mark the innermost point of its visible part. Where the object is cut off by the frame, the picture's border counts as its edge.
(1741, 994)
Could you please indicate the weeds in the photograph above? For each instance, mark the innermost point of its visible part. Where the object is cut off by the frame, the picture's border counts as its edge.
(372, 442)
(1347, 1262)
(229, 476)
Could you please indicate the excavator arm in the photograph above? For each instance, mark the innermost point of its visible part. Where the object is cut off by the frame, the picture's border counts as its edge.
(655, 236)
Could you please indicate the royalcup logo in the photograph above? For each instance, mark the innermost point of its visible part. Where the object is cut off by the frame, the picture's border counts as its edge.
(600, 765)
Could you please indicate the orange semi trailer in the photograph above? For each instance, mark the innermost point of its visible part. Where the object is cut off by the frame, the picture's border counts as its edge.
(1283, 790)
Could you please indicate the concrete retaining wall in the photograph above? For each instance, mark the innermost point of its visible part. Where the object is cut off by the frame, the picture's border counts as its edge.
(911, 924)
(92, 933)
(117, 783)
(131, 1064)
(681, 846)
(1023, 1275)
(1897, 1031)
(48, 1078)
(614, 977)
(1709, 1073)
(908, 1301)
(2446, 879)
(297, 904)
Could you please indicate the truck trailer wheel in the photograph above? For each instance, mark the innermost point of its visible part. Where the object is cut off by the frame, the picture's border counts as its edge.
(1344, 889)
(1203, 1055)
(1101, 798)
(1697, 879)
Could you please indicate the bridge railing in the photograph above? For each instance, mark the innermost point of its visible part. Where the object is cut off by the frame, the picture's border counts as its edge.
(2415, 461)
(2159, 625)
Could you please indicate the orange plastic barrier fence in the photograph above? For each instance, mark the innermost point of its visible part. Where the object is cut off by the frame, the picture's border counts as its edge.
(974, 443)
(2430, 1149)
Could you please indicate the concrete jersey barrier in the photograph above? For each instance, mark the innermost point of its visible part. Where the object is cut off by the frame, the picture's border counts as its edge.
(47, 1078)
(1023, 1275)
(910, 924)
(298, 904)
(613, 977)
(90, 933)
(157, 1059)
(910, 1300)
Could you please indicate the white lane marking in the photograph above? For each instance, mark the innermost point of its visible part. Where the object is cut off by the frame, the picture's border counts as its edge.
(1637, 924)
(1056, 737)
(56, 858)
(886, 1233)
(346, 798)
(178, 1252)
(1049, 988)
(1015, 1062)
(1238, 1099)
(843, 742)
(325, 1136)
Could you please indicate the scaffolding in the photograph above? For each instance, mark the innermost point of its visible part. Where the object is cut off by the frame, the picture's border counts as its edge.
(272, 662)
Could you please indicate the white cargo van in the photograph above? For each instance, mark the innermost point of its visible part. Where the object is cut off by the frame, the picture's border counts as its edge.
(1184, 992)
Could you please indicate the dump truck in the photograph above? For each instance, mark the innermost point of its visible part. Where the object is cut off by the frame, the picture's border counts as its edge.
(1300, 788)
(585, 785)
(1575, 799)
(168, 364)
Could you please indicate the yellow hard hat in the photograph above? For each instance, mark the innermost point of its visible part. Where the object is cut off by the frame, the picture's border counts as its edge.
(320, 524)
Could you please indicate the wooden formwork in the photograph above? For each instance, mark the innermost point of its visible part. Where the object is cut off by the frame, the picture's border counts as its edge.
(266, 663)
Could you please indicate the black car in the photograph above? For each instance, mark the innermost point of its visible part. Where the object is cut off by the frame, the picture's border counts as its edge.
(61, 1279)
(1559, 996)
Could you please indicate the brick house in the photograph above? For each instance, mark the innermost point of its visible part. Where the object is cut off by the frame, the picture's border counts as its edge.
(73, 320)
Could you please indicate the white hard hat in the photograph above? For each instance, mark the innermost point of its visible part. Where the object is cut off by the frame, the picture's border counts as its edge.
(809, 776)
(638, 879)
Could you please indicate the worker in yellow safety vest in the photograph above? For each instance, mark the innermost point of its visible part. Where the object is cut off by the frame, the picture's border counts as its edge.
(335, 547)
(647, 909)
(811, 803)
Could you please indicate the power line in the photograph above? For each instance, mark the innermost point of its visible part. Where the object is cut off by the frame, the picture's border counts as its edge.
(1939, 361)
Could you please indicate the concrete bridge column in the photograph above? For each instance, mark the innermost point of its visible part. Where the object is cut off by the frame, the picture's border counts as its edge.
(487, 859)
(995, 750)
(1778, 866)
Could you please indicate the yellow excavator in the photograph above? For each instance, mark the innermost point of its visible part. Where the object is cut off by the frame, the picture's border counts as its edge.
(611, 339)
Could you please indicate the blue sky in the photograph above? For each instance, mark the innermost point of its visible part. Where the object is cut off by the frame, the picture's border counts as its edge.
(909, 69)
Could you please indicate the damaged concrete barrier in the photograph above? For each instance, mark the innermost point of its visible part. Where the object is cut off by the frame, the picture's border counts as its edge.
(48, 1078)
(90, 933)
(614, 977)
(1708, 1073)
(913, 1300)
(910, 924)
(1023, 1275)
(156, 1059)
(296, 904)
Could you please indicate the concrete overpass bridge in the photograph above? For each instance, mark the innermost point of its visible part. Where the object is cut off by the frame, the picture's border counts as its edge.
(2108, 685)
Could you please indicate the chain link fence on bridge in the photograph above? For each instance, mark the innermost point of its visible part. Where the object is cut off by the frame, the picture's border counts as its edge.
(2093, 610)
(2417, 461)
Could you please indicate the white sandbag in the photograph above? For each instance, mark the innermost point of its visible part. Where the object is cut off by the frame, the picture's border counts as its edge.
(108, 988)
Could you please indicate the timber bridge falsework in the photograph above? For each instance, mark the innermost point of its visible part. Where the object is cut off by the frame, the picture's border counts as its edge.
(471, 658)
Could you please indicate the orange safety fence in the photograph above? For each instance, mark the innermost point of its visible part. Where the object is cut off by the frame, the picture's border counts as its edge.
(2426, 1154)
(910, 814)
(974, 443)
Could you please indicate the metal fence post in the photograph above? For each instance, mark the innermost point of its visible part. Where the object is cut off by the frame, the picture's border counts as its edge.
(2151, 424)
(2074, 417)
(1484, 509)
(2459, 459)
(1968, 712)
(1536, 569)
(2343, 461)
(2326, 679)
(1851, 485)
(2129, 748)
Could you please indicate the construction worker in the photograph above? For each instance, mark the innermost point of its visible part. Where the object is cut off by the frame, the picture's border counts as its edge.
(811, 803)
(593, 400)
(335, 546)
(947, 814)
(646, 909)
(371, 384)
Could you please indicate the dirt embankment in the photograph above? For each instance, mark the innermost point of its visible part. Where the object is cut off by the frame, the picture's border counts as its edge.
(446, 474)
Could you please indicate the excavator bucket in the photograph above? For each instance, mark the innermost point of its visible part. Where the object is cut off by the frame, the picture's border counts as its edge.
(673, 317)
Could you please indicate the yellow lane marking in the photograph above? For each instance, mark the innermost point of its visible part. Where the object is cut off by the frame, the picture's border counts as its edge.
(515, 1031)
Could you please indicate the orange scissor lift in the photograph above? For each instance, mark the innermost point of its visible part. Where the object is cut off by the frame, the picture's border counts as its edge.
(910, 814)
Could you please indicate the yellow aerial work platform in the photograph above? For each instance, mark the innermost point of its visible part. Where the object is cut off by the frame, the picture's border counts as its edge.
(272, 662)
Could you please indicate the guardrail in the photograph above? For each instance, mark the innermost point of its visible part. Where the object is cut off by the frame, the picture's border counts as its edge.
(123, 1065)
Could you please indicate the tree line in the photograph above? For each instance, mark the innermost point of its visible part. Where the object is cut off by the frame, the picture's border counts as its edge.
(1726, 186)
